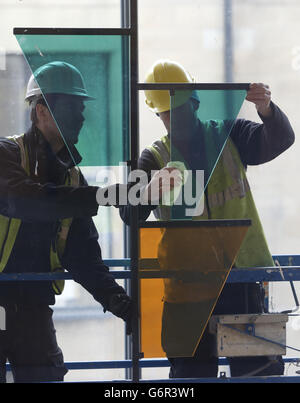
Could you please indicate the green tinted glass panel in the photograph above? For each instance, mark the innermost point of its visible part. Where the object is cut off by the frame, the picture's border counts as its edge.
(103, 61)
(200, 124)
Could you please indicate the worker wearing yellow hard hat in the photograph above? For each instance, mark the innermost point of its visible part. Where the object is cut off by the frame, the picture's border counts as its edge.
(227, 196)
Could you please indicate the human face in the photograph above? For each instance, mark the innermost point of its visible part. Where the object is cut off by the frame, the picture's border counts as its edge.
(68, 115)
(183, 119)
(62, 121)
(165, 118)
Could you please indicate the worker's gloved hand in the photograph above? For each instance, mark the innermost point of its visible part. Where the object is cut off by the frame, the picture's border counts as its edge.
(121, 306)
(178, 169)
(162, 184)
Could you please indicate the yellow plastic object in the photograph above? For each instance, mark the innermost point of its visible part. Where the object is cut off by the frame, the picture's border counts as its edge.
(182, 272)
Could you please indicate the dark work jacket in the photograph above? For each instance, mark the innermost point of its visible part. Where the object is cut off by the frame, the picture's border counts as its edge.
(257, 143)
(40, 200)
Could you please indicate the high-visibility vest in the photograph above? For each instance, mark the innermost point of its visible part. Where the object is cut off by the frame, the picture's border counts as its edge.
(228, 197)
(9, 227)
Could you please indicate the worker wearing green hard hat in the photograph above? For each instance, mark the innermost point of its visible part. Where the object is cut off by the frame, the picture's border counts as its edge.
(46, 225)
(60, 86)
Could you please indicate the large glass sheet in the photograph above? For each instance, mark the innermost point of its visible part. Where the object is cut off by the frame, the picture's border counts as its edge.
(103, 63)
(200, 123)
(103, 141)
(182, 272)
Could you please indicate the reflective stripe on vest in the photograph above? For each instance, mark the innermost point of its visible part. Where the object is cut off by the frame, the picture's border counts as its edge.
(9, 227)
(228, 197)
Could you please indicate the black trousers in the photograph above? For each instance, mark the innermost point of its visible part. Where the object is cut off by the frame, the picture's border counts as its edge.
(29, 344)
(234, 299)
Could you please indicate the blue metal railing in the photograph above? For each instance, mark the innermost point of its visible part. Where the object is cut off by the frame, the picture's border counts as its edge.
(289, 270)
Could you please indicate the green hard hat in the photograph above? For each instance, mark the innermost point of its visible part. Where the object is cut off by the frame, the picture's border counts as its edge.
(56, 78)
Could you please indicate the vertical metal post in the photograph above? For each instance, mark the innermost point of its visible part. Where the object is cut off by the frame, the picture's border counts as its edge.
(228, 42)
(125, 13)
(125, 23)
(134, 149)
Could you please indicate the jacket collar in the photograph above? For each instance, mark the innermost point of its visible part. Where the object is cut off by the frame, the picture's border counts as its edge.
(67, 156)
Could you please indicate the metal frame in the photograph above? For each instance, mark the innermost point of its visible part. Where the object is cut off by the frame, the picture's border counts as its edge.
(71, 31)
(236, 275)
(193, 86)
(134, 154)
(194, 223)
(125, 23)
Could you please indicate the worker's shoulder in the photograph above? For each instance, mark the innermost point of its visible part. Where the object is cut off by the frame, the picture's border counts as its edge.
(147, 161)
(8, 146)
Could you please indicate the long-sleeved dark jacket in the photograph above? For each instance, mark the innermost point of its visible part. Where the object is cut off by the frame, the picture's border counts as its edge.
(40, 200)
(257, 143)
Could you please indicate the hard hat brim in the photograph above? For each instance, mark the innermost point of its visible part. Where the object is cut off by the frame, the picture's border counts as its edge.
(35, 94)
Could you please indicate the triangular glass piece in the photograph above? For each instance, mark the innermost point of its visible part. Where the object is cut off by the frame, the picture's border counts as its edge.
(103, 62)
(200, 124)
(183, 267)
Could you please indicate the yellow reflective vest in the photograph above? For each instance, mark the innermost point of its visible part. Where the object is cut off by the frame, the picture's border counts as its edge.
(9, 227)
(228, 197)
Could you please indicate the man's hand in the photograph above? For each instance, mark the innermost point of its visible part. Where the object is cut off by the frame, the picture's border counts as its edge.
(163, 181)
(121, 306)
(260, 95)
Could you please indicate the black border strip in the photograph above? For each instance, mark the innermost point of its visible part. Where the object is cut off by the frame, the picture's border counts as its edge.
(71, 31)
(194, 223)
(194, 86)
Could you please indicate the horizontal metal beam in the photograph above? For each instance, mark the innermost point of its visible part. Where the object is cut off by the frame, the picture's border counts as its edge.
(236, 275)
(194, 223)
(143, 363)
(254, 379)
(72, 31)
(193, 86)
(264, 274)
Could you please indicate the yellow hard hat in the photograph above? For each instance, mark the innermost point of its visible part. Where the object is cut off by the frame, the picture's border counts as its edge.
(164, 71)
